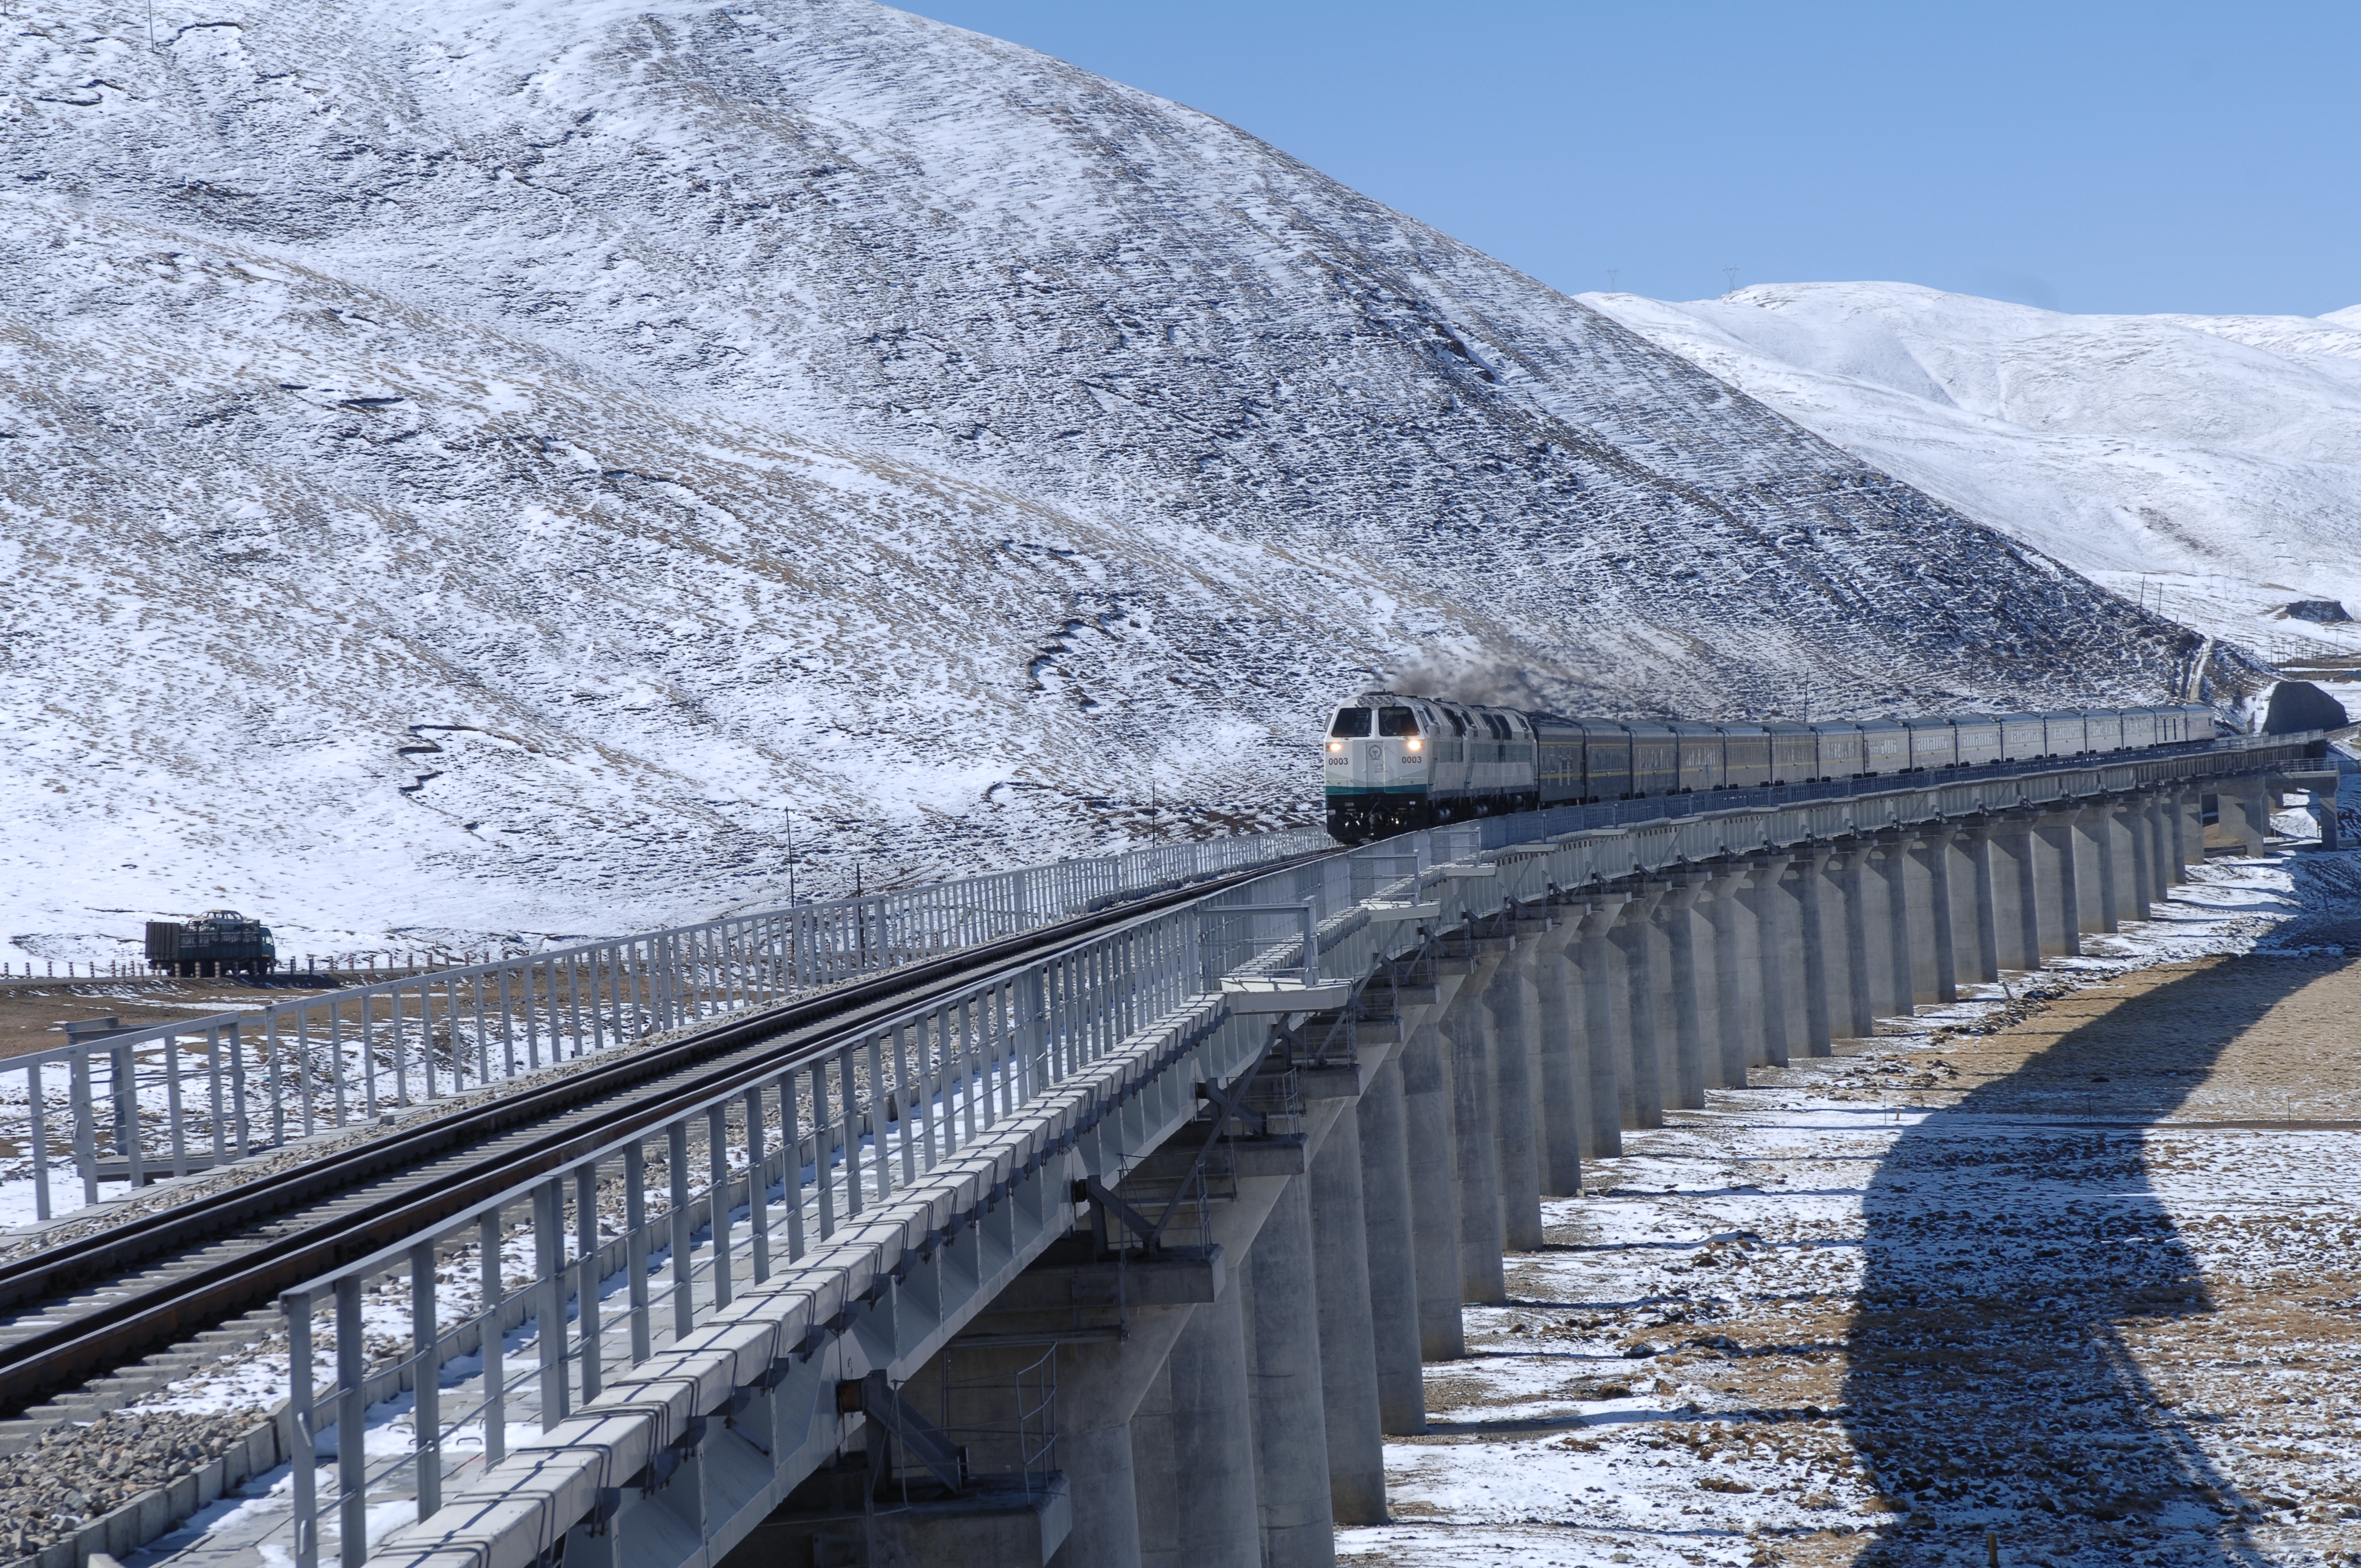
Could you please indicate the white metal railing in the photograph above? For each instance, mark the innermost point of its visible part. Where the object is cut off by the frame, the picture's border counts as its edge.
(192, 1095)
(594, 1268)
(630, 1247)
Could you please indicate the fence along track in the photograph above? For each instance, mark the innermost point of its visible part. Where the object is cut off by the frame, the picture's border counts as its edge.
(75, 1347)
(857, 1209)
(199, 1094)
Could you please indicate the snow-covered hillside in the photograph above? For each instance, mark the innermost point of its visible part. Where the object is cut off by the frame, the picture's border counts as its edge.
(478, 468)
(2210, 463)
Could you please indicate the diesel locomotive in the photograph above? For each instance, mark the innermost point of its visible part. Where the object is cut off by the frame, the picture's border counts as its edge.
(1396, 762)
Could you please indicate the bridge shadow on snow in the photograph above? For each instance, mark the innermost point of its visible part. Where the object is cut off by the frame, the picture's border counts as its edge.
(1990, 1384)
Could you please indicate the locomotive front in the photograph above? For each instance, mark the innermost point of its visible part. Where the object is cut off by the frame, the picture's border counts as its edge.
(1379, 768)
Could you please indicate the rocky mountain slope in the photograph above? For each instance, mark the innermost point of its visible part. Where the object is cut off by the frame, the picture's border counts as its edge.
(498, 470)
(2211, 464)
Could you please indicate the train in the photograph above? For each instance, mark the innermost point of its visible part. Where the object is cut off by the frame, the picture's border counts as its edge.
(220, 942)
(1394, 762)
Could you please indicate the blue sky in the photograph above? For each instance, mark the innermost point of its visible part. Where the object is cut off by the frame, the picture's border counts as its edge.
(2083, 158)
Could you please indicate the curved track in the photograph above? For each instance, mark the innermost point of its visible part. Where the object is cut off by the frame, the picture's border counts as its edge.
(104, 1300)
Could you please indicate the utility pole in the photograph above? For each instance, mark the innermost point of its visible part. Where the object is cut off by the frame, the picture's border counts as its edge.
(791, 859)
(1732, 273)
(1612, 274)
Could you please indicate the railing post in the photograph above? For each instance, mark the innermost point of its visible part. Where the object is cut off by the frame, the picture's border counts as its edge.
(239, 1124)
(635, 1243)
(41, 1138)
(758, 1185)
(549, 1297)
(717, 1145)
(352, 1455)
(85, 1133)
(302, 1457)
(495, 1297)
(426, 1379)
(586, 1253)
(683, 1308)
(126, 1111)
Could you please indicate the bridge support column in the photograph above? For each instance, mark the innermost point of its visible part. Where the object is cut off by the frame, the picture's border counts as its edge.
(1851, 1010)
(2094, 840)
(1475, 1129)
(2246, 812)
(1886, 889)
(1282, 1312)
(1388, 1240)
(1211, 1442)
(2162, 816)
(1676, 919)
(1434, 1205)
(1737, 974)
(1975, 940)
(2016, 905)
(1348, 1351)
(1561, 1055)
(1510, 1009)
(1777, 988)
(2058, 908)
(1602, 980)
(2142, 891)
(2188, 829)
(1815, 925)
(2122, 894)
(1934, 975)
(1638, 1023)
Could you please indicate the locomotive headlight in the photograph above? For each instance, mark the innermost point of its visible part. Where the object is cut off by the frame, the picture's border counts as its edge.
(1335, 746)
(1412, 745)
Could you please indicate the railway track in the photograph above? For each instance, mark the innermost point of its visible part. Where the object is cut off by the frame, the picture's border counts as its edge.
(102, 1301)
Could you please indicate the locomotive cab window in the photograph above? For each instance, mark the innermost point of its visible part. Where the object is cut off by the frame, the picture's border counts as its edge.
(1352, 723)
(1395, 722)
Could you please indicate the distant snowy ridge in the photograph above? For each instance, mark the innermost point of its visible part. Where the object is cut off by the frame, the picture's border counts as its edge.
(2211, 463)
(681, 417)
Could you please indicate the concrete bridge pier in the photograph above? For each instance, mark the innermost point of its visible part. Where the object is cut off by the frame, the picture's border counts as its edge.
(1476, 1135)
(1348, 1329)
(2137, 886)
(1933, 950)
(1389, 1245)
(1975, 937)
(2095, 835)
(2189, 826)
(1561, 1055)
(1283, 1373)
(1209, 1419)
(2016, 888)
(1509, 1016)
(2057, 899)
(1636, 1025)
(1809, 868)
(1852, 1011)
(1680, 992)
(1886, 916)
(1777, 980)
(1434, 1205)
(1736, 973)
(1602, 980)
(2244, 812)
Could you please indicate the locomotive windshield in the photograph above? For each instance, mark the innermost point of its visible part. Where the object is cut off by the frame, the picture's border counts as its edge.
(1352, 723)
(1397, 721)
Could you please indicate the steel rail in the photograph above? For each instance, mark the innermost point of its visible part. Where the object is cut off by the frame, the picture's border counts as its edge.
(91, 1344)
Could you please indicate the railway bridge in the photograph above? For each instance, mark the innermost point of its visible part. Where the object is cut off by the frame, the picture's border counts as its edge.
(1107, 1218)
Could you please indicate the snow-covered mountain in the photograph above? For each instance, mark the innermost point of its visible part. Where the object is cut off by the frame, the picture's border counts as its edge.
(2209, 463)
(480, 469)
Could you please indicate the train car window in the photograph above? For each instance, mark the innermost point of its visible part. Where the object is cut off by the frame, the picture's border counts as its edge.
(1397, 721)
(1352, 723)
